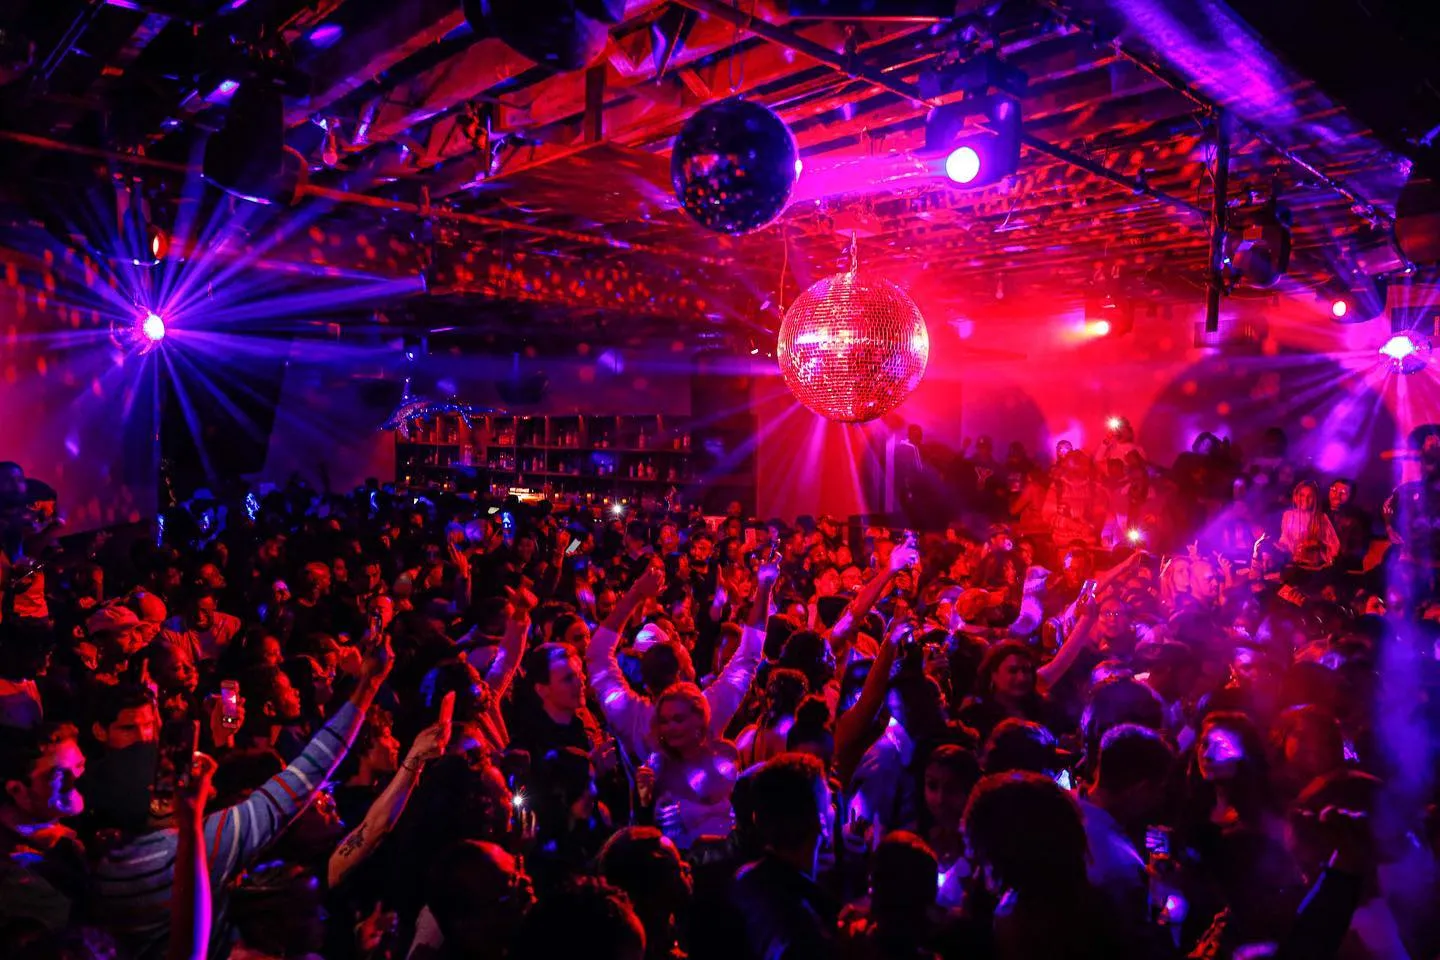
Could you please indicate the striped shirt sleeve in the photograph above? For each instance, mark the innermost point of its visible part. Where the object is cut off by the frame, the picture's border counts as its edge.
(237, 833)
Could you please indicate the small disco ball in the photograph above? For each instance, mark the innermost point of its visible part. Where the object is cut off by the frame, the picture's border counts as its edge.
(853, 347)
(733, 166)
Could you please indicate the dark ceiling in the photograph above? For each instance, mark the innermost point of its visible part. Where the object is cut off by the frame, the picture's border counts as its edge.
(433, 149)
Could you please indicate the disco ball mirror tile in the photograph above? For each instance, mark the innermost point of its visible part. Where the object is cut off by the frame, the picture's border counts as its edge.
(853, 347)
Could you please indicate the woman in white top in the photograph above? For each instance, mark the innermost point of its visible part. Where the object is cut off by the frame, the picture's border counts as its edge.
(1305, 531)
(690, 778)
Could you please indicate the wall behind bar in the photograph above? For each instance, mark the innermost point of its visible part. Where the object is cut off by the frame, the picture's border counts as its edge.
(327, 414)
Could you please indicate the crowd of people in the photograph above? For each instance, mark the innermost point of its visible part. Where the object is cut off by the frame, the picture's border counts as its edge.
(1115, 711)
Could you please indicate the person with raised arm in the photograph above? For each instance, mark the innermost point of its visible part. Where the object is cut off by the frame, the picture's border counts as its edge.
(190, 919)
(845, 634)
(131, 895)
(385, 812)
(631, 714)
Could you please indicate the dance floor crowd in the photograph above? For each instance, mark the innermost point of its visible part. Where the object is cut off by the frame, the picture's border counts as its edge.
(1095, 707)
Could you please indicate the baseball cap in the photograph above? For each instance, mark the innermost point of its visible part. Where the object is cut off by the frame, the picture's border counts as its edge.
(648, 636)
(112, 618)
(148, 606)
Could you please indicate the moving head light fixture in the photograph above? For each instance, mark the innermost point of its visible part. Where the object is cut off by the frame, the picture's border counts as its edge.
(248, 157)
(977, 136)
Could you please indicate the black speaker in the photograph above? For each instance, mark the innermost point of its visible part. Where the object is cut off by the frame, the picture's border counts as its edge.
(247, 158)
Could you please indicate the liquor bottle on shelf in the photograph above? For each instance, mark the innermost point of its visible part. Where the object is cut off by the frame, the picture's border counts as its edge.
(686, 441)
(640, 441)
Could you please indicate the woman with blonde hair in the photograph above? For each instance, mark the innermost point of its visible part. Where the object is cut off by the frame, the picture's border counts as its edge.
(688, 781)
(1306, 532)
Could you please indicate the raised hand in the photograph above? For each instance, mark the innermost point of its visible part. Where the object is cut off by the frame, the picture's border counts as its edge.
(429, 744)
(768, 573)
(650, 583)
(377, 663)
(221, 733)
(903, 556)
(458, 560)
(191, 800)
(522, 600)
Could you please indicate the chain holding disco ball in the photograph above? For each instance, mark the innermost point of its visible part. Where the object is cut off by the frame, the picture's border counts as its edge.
(733, 166)
(853, 347)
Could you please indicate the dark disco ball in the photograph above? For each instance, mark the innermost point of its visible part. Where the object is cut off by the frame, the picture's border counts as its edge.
(853, 347)
(733, 166)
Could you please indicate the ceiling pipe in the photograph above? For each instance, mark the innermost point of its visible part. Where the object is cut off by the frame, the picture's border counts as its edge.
(1362, 206)
(1135, 184)
(95, 153)
(52, 60)
(366, 200)
(494, 223)
(1215, 279)
(788, 38)
(785, 37)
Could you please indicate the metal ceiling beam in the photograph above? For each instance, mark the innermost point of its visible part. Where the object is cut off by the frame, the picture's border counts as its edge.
(408, 28)
(1168, 77)
(785, 37)
(345, 198)
(423, 211)
(434, 95)
(788, 38)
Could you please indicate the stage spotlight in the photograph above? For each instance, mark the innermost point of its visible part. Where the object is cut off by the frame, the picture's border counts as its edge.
(1406, 352)
(158, 243)
(618, 509)
(978, 137)
(1108, 314)
(1135, 535)
(152, 328)
(1360, 300)
(963, 164)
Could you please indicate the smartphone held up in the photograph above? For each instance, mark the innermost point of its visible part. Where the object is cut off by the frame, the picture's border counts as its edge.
(175, 761)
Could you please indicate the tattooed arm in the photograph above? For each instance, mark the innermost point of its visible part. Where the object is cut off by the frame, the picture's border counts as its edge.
(386, 809)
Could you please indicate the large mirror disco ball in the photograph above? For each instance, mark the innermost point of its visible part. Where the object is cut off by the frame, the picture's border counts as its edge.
(853, 347)
(733, 166)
